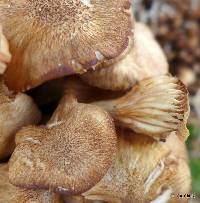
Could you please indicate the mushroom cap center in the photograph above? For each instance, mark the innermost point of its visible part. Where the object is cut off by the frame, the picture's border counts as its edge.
(55, 12)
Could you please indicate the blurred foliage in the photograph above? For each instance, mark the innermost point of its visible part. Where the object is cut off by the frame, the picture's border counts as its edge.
(194, 158)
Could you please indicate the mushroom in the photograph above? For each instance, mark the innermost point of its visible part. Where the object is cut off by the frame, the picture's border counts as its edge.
(154, 107)
(16, 111)
(70, 154)
(144, 171)
(4, 52)
(12, 194)
(146, 59)
(50, 39)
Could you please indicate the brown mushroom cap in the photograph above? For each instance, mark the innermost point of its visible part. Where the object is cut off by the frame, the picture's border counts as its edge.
(16, 111)
(144, 171)
(4, 52)
(146, 59)
(154, 107)
(70, 155)
(49, 39)
(12, 194)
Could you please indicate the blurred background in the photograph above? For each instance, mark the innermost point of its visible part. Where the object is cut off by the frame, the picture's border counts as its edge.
(176, 25)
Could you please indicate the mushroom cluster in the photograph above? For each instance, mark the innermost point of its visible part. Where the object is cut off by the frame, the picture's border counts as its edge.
(110, 128)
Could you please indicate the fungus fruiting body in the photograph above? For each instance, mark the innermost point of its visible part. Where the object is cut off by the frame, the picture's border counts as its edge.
(16, 111)
(144, 171)
(154, 107)
(63, 155)
(49, 39)
(145, 59)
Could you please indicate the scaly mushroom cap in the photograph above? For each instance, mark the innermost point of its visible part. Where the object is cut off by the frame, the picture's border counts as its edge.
(49, 39)
(12, 194)
(4, 52)
(154, 107)
(16, 111)
(146, 59)
(70, 155)
(144, 171)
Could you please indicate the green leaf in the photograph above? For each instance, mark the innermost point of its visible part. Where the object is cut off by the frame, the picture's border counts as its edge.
(195, 170)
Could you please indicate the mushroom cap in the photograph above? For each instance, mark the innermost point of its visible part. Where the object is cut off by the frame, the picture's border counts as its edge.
(70, 155)
(16, 111)
(154, 107)
(143, 171)
(145, 59)
(12, 194)
(4, 52)
(49, 39)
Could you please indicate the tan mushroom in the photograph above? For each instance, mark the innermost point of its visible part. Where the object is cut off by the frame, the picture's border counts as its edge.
(144, 171)
(154, 107)
(12, 194)
(49, 39)
(146, 59)
(4, 52)
(70, 154)
(16, 111)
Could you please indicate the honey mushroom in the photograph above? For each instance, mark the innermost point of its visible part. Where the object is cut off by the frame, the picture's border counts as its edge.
(50, 39)
(12, 194)
(154, 107)
(146, 59)
(16, 111)
(5, 55)
(70, 154)
(117, 135)
(144, 171)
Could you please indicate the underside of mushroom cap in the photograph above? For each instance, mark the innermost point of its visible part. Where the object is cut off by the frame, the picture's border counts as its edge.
(49, 39)
(154, 107)
(12, 194)
(67, 156)
(145, 59)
